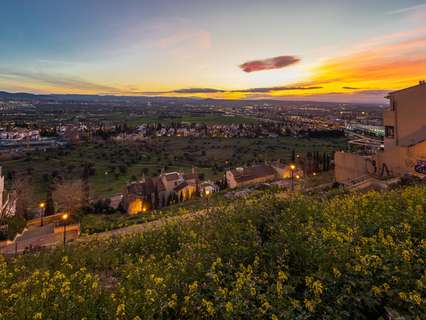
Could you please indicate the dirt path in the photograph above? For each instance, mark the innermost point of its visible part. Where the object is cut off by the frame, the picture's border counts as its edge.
(147, 226)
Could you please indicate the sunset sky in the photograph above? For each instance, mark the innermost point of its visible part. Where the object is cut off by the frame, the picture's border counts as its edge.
(304, 50)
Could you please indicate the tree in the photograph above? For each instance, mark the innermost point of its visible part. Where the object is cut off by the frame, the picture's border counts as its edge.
(156, 198)
(85, 185)
(69, 195)
(22, 194)
(50, 204)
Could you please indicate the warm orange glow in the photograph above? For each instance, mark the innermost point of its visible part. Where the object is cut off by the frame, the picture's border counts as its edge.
(42, 205)
(292, 167)
(65, 216)
(136, 206)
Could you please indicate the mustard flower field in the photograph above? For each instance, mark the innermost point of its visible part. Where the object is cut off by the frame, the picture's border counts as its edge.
(357, 256)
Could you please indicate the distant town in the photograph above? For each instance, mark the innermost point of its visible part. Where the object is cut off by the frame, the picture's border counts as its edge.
(102, 163)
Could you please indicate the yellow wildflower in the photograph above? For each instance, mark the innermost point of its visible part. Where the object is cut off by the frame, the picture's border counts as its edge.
(193, 287)
(38, 315)
(229, 307)
(415, 298)
(336, 272)
(282, 276)
(309, 305)
(120, 310)
(375, 290)
(406, 255)
(209, 306)
(317, 287)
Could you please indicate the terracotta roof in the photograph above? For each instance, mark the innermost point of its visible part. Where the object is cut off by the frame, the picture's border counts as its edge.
(145, 188)
(181, 186)
(254, 172)
(172, 176)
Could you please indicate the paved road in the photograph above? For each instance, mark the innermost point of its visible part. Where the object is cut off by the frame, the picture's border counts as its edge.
(55, 239)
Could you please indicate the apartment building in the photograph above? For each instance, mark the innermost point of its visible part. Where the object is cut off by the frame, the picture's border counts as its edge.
(404, 149)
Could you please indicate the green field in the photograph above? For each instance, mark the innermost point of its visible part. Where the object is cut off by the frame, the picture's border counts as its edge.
(116, 163)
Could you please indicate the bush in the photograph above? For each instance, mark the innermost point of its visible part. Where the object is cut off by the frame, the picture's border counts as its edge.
(349, 257)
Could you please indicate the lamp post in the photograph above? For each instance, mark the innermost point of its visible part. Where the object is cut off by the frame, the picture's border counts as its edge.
(42, 206)
(292, 168)
(65, 218)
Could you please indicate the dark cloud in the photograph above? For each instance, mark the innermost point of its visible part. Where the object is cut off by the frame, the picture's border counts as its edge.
(351, 88)
(184, 91)
(269, 64)
(212, 90)
(197, 90)
(270, 89)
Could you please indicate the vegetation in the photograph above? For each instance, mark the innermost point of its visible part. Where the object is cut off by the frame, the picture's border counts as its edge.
(108, 166)
(357, 256)
(99, 222)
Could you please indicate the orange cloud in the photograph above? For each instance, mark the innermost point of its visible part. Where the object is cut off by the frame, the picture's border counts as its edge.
(387, 66)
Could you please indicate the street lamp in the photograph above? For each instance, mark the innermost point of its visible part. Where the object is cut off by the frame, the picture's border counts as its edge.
(292, 168)
(65, 218)
(42, 206)
(207, 194)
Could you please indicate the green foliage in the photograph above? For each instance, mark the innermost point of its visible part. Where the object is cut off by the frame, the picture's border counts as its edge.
(357, 256)
(15, 225)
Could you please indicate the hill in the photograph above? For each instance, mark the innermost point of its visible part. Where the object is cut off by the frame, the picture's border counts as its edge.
(357, 256)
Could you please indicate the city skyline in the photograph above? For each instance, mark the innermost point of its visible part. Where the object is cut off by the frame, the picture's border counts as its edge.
(323, 50)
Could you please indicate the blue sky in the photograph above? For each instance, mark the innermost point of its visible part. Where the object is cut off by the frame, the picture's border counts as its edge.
(159, 47)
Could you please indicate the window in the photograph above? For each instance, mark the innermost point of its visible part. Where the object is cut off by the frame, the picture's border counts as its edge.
(389, 132)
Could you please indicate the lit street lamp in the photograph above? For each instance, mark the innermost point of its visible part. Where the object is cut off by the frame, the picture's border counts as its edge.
(292, 168)
(42, 207)
(65, 218)
(207, 194)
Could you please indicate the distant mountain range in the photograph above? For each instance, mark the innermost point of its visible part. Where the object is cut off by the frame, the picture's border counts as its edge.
(112, 98)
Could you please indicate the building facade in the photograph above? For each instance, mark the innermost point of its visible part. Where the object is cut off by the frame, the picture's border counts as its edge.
(7, 200)
(404, 149)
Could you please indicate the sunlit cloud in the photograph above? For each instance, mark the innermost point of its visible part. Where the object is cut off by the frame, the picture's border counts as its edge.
(272, 89)
(269, 64)
(350, 88)
(57, 82)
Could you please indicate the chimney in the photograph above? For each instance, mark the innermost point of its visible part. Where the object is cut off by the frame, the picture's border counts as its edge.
(422, 82)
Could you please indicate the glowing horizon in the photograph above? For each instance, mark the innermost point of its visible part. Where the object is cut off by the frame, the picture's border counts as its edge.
(275, 50)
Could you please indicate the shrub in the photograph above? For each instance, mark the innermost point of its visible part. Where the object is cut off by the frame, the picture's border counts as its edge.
(356, 256)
